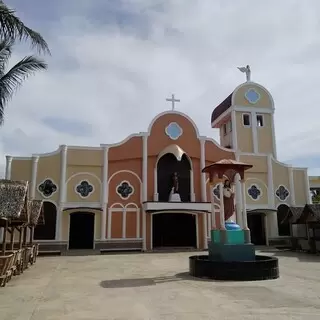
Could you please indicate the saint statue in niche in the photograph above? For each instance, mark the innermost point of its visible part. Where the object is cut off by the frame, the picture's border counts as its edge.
(174, 193)
(228, 200)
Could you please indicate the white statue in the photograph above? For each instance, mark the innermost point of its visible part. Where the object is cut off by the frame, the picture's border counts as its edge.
(247, 71)
(174, 197)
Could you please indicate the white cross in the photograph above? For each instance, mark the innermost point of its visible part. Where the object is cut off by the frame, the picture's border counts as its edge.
(172, 100)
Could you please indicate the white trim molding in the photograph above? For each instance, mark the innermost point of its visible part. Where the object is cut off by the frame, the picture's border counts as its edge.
(104, 192)
(291, 186)
(145, 167)
(307, 187)
(63, 173)
(271, 194)
(234, 130)
(182, 206)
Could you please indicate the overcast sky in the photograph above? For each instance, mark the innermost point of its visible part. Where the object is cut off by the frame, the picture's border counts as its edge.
(114, 62)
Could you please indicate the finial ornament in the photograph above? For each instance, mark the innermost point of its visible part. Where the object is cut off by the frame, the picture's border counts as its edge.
(247, 71)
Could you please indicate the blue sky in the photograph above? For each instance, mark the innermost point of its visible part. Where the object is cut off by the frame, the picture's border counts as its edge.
(115, 62)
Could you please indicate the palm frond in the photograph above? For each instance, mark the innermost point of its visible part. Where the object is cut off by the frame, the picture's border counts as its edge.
(5, 54)
(12, 80)
(11, 27)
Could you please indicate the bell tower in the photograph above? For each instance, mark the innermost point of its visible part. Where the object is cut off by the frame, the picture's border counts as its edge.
(246, 120)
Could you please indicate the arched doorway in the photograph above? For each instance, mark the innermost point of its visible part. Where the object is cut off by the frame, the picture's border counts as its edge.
(283, 221)
(47, 231)
(256, 224)
(174, 229)
(167, 166)
(81, 230)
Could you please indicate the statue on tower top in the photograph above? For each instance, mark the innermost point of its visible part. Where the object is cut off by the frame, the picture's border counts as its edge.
(247, 71)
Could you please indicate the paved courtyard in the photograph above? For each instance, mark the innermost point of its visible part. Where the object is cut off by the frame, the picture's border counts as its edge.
(156, 286)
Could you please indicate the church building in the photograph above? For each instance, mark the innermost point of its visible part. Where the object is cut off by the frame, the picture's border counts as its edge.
(148, 191)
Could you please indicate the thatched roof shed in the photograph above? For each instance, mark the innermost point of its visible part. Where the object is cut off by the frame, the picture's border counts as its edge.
(310, 212)
(294, 213)
(36, 209)
(13, 196)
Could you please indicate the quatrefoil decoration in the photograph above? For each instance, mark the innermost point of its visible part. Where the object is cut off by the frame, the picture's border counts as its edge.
(282, 193)
(254, 192)
(125, 189)
(47, 188)
(84, 188)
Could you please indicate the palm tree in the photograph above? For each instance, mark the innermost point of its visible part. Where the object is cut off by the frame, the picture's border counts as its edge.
(12, 28)
(11, 80)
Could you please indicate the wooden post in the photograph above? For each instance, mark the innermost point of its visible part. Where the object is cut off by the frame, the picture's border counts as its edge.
(12, 238)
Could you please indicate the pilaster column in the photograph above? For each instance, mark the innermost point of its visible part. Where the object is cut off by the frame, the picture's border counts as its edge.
(254, 129)
(104, 192)
(144, 167)
(155, 185)
(307, 187)
(192, 194)
(109, 222)
(234, 130)
(222, 221)
(244, 206)
(62, 193)
(202, 165)
(270, 183)
(63, 173)
(124, 223)
(238, 197)
(212, 216)
(144, 188)
(291, 186)
(8, 167)
(34, 170)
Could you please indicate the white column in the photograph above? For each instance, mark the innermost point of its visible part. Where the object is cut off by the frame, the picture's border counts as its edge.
(34, 170)
(104, 192)
(254, 132)
(222, 222)
(124, 222)
(62, 194)
(291, 186)
(204, 227)
(202, 165)
(272, 219)
(307, 187)
(273, 136)
(155, 185)
(238, 197)
(212, 216)
(8, 167)
(144, 167)
(270, 183)
(144, 188)
(109, 222)
(138, 223)
(234, 130)
(244, 206)
(58, 223)
(192, 195)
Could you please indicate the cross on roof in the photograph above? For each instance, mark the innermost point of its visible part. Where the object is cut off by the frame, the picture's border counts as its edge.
(172, 100)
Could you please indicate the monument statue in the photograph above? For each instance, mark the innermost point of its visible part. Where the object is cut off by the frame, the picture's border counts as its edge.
(174, 194)
(228, 200)
(247, 71)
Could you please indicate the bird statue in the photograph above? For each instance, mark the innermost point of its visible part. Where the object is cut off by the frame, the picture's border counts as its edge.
(247, 71)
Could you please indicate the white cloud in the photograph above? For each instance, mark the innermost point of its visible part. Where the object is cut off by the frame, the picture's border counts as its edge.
(117, 77)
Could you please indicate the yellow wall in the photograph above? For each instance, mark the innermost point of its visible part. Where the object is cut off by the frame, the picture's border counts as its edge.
(49, 168)
(299, 187)
(259, 163)
(264, 134)
(240, 100)
(65, 222)
(244, 135)
(21, 169)
(85, 157)
(280, 177)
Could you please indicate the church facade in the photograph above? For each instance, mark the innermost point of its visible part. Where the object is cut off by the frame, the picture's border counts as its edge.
(149, 191)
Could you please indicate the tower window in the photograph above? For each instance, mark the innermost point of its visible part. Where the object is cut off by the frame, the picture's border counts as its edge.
(246, 119)
(260, 120)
